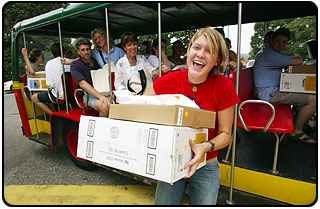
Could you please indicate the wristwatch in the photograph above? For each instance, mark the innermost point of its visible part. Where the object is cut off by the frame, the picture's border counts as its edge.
(212, 145)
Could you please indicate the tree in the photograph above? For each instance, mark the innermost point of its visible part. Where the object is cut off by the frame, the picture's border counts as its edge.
(14, 12)
(302, 29)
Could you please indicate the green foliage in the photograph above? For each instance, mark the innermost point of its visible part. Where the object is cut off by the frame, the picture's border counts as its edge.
(170, 37)
(14, 12)
(302, 29)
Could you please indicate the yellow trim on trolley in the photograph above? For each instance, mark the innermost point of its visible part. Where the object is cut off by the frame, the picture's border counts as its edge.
(269, 186)
(43, 126)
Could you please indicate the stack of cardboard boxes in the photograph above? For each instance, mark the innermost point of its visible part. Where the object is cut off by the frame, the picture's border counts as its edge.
(300, 79)
(148, 140)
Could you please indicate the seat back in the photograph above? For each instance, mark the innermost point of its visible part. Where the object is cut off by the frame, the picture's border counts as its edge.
(26, 89)
(24, 79)
(246, 84)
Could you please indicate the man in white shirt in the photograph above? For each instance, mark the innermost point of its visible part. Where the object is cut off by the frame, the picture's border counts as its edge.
(53, 79)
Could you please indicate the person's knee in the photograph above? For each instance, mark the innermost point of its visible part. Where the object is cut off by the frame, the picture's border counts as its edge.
(312, 100)
(105, 110)
(102, 108)
(34, 98)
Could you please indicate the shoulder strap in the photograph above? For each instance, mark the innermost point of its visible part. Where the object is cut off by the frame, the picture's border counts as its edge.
(143, 80)
(102, 56)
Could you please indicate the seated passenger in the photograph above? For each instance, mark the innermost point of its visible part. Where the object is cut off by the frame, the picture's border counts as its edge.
(68, 53)
(34, 63)
(178, 51)
(231, 60)
(80, 71)
(266, 41)
(267, 71)
(145, 49)
(53, 79)
(131, 63)
(100, 51)
(153, 58)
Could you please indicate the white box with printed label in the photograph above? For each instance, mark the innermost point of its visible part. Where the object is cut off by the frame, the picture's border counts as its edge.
(155, 151)
(298, 82)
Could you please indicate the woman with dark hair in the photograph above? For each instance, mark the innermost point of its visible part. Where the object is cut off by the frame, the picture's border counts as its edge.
(131, 63)
(34, 62)
(154, 57)
(178, 51)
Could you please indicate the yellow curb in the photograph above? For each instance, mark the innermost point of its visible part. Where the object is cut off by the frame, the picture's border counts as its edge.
(79, 195)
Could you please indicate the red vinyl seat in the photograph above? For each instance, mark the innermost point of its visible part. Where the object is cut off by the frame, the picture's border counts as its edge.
(255, 114)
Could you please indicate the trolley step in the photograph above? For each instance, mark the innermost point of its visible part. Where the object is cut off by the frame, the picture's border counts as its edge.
(42, 138)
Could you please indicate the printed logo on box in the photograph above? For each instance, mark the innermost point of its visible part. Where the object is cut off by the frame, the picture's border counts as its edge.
(153, 138)
(89, 153)
(151, 164)
(91, 125)
(114, 132)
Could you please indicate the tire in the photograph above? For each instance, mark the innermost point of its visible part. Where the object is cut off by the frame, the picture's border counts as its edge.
(70, 141)
(11, 89)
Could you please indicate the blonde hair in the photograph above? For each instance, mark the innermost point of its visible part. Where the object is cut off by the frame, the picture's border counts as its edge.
(102, 32)
(216, 44)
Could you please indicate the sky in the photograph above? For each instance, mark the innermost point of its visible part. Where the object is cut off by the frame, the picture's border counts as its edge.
(247, 30)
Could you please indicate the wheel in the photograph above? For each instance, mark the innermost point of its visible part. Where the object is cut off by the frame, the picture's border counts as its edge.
(11, 89)
(70, 140)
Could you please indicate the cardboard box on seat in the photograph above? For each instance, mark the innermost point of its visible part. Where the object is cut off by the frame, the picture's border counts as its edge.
(173, 115)
(298, 82)
(303, 69)
(155, 151)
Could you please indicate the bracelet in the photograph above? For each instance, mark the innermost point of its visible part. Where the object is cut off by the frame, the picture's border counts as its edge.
(212, 145)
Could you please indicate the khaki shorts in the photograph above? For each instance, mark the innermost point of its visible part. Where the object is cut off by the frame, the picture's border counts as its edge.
(296, 99)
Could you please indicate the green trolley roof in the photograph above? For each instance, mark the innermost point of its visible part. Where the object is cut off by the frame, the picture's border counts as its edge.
(79, 19)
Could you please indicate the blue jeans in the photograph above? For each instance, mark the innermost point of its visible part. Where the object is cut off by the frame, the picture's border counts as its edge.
(203, 188)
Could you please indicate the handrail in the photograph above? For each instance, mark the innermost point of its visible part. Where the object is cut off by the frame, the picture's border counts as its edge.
(257, 102)
(49, 95)
(24, 93)
(86, 99)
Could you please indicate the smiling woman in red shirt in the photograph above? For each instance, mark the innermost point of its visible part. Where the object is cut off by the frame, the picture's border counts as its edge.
(201, 82)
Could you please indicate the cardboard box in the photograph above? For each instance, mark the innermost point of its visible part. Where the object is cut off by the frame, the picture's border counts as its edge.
(154, 151)
(41, 74)
(37, 84)
(303, 69)
(173, 115)
(298, 82)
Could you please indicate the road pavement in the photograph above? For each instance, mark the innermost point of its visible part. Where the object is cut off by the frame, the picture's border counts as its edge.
(40, 175)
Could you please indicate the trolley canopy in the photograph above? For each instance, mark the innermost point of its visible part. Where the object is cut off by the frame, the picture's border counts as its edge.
(78, 19)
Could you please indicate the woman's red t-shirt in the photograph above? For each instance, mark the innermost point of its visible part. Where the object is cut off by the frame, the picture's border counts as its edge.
(215, 94)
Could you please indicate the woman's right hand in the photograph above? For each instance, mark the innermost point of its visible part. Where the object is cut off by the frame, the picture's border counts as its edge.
(165, 69)
(24, 52)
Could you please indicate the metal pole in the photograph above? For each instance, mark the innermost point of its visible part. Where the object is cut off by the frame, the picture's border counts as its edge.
(159, 37)
(24, 40)
(230, 201)
(33, 107)
(109, 64)
(63, 71)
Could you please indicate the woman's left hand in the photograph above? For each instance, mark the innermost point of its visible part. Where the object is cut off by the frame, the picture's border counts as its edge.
(198, 151)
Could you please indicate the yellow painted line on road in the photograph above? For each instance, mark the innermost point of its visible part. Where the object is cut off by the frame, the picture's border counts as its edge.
(79, 195)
